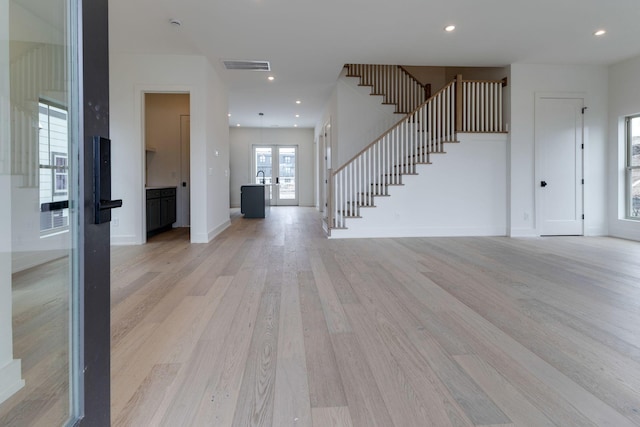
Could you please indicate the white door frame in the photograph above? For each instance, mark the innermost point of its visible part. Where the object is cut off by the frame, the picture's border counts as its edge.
(537, 170)
(184, 192)
(275, 162)
(325, 162)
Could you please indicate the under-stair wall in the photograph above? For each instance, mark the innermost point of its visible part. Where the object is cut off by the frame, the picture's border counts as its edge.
(463, 192)
(360, 118)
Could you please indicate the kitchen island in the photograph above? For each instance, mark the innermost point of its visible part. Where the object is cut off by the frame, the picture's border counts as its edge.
(255, 200)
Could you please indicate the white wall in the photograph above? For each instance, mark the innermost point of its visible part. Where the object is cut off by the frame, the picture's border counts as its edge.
(132, 76)
(462, 193)
(525, 81)
(624, 100)
(360, 119)
(216, 157)
(241, 142)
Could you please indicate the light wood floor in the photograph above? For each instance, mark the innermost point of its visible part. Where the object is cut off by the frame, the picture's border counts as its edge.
(40, 314)
(271, 324)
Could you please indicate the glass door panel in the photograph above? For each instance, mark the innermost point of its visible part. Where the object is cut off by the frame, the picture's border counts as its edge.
(282, 160)
(287, 191)
(263, 161)
(39, 271)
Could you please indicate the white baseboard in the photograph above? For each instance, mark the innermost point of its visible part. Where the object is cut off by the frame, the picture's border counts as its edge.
(25, 260)
(416, 232)
(596, 231)
(10, 379)
(125, 240)
(219, 229)
(523, 232)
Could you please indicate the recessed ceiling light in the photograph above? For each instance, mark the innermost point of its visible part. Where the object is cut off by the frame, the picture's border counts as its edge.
(229, 115)
(295, 126)
(175, 22)
(271, 78)
(238, 125)
(297, 115)
(298, 101)
(449, 28)
(600, 33)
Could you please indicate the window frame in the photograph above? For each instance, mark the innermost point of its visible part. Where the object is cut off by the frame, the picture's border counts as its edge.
(50, 218)
(61, 171)
(629, 169)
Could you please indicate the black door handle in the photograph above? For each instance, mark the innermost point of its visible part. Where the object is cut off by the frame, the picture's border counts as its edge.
(277, 180)
(543, 183)
(110, 204)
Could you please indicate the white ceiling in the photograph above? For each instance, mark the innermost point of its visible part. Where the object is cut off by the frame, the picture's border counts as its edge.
(308, 42)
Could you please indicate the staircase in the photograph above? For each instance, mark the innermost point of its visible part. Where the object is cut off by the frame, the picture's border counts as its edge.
(394, 83)
(39, 71)
(432, 123)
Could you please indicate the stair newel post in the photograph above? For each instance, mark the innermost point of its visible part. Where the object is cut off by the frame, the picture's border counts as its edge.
(458, 89)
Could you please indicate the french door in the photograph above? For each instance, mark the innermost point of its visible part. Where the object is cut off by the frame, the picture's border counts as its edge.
(54, 261)
(277, 165)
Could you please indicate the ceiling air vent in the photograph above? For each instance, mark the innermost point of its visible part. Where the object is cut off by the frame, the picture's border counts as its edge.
(247, 65)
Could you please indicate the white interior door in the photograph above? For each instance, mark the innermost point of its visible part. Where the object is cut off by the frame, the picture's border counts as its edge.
(559, 165)
(277, 165)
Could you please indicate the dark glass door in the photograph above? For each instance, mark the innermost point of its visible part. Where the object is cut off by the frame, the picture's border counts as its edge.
(54, 261)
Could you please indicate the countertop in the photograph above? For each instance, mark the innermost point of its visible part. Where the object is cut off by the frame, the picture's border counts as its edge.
(159, 187)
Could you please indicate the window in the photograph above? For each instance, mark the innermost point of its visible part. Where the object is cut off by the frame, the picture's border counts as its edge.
(60, 174)
(53, 146)
(633, 167)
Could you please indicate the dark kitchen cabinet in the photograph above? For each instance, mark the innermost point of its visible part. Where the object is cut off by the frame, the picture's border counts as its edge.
(161, 209)
(255, 200)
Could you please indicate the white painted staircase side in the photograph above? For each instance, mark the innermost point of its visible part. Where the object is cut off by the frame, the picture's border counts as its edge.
(462, 193)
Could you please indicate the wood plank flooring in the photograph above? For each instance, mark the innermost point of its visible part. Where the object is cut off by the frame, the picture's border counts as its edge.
(271, 324)
(40, 313)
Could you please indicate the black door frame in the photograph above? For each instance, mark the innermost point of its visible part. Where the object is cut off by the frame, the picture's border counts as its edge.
(95, 256)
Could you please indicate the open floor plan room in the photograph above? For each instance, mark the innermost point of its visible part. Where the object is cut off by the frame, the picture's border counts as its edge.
(271, 324)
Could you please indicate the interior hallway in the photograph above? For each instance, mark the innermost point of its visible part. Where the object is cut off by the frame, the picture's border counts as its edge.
(272, 324)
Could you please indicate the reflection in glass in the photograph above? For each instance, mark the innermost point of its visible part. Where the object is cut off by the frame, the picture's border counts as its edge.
(37, 230)
(287, 165)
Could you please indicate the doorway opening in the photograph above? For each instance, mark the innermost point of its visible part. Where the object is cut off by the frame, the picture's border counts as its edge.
(167, 161)
(277, 166)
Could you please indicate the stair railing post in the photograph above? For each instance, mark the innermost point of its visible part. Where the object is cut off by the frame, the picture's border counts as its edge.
(458, 103)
